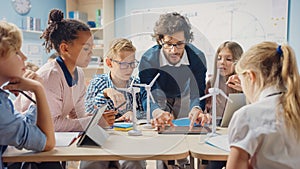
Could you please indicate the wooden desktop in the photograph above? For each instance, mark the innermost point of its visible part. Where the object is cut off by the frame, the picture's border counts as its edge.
(200, 150)
(120, 146)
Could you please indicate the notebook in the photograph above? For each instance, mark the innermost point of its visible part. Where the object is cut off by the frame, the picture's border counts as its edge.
(219, 141)
(64, 139)
(123, 126)
(94, 135)
(238, 101)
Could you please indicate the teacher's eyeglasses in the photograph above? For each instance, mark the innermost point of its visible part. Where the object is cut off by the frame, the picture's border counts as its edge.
(179, 45)
(125, 65)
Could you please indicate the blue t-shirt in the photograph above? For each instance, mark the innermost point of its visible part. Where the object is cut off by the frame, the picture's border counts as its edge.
(17, 129)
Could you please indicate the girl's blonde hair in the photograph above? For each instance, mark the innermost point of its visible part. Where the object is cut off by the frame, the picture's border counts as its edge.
(276, 66)
(10, 38)
(119, 45)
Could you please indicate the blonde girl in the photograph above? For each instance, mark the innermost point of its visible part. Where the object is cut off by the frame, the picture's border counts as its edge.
(266, 133)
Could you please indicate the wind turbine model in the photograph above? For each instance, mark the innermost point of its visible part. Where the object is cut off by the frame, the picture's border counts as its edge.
(133, 91)
(214, 91)
(149, 95)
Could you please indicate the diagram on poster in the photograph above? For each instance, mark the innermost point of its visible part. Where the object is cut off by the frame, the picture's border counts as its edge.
(243, 21)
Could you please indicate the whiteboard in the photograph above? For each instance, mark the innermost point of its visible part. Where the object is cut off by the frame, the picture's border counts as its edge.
(246, 22)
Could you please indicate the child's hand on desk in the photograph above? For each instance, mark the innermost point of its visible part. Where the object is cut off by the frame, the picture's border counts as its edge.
(107, 119)
(126, 117)
(161, 118)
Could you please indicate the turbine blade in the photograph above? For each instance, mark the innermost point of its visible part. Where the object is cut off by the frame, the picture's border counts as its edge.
(151, 97)
(132, 81)
(206, 96)
(224, 95)
(152, 82)
(140, 85)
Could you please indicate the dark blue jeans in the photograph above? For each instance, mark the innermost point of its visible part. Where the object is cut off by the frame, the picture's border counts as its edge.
(214, 164)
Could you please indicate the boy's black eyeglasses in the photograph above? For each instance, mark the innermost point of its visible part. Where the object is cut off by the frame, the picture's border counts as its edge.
(179, 45)
(125, 65)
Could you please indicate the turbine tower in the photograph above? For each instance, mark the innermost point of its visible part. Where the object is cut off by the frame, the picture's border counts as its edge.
(133, 90)
(149, 96)
(214, 91)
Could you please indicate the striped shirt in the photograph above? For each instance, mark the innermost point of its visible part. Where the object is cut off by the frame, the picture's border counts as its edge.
(95, 98)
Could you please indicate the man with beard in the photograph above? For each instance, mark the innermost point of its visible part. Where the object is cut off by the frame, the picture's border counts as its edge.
(182, 69)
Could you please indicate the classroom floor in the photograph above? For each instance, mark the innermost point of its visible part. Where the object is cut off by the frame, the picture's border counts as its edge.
(151, 164)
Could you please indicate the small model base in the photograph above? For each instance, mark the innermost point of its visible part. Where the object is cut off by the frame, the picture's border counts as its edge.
(148, 126)
(212, 134)
(135, 133)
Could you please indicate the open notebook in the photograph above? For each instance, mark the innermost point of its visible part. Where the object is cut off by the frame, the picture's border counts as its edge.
(219, 141)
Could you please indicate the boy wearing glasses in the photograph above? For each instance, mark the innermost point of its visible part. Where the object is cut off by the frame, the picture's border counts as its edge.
(102, 90)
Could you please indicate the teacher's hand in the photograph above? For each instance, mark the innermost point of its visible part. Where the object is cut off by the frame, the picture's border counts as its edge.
(161, 118)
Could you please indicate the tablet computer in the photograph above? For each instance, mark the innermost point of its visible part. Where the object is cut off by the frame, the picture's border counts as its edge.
(94, 135)
(238, 101)
(183, 130)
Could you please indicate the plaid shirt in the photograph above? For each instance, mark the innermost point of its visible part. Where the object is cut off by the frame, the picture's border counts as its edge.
(95, 99)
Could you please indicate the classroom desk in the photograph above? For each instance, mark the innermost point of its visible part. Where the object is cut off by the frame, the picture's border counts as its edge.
(200, 150)
(119, 146)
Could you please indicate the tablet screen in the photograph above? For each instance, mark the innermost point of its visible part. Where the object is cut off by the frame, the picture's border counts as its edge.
(183, 130)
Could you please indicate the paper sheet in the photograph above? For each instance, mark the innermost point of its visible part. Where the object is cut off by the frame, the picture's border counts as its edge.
(64, 139)
(220, 141)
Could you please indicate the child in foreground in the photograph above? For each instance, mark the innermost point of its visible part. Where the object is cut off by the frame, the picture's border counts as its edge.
(34, 129)
(266, 132)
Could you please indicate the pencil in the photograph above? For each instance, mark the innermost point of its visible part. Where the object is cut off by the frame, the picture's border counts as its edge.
(28, 97)
(116, 108)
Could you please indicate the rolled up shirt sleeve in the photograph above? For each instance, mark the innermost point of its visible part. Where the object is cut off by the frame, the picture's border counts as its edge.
(30, 116)
(18, 131)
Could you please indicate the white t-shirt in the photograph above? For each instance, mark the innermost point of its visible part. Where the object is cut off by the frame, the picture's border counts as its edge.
(254, 129)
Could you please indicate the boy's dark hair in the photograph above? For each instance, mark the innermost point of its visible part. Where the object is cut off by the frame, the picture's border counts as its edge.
(171, 23)
(61, 30)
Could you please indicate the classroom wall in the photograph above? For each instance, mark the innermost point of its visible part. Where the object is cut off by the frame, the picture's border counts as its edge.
(294, 27)
(123, 9)
(40, 9)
